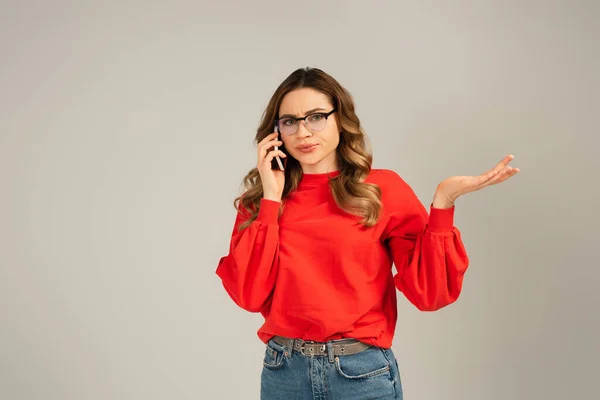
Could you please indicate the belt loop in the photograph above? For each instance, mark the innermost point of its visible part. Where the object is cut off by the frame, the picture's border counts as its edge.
(330, 351)
(289, 347)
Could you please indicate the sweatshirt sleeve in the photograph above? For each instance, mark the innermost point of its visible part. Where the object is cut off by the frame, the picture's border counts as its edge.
(427, 250)
(249, 271)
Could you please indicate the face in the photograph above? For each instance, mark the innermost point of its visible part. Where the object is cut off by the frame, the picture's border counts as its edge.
(315, 151)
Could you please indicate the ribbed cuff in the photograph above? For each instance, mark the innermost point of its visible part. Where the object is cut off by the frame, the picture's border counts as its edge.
(268, 213)
(441, 219)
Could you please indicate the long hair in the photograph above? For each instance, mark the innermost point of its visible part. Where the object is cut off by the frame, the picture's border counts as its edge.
(354, 156)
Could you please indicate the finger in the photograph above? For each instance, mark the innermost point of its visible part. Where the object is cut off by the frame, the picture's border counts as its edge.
(267, 138)
(485, 177)
(501, 176)
(504, 162)
(262, 150)
(497, 169)
(270, 144)
(271, 155)
(491, 182)
(510, 172)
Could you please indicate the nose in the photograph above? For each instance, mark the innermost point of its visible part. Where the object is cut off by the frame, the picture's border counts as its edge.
(303, 130)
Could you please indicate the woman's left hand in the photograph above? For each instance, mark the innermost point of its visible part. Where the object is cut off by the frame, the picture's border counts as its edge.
(450, 189)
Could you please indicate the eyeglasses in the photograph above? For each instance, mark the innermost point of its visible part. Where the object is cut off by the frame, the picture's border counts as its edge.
(315, 122)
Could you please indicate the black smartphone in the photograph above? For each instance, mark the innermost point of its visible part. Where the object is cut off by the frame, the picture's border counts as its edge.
(277, 163)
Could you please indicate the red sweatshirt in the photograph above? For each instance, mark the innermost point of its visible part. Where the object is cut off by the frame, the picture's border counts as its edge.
(316, 273)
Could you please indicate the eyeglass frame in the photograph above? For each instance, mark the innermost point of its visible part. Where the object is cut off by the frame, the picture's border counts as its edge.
(296, 119)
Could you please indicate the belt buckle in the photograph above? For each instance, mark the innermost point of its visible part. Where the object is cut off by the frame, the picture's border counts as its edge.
(323, 347)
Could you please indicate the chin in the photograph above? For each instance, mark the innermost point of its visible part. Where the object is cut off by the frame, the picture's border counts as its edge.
(308, 159)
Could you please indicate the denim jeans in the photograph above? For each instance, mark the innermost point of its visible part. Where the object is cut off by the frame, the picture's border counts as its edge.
(368, 375)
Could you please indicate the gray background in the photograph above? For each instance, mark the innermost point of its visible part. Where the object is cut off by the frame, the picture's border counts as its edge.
(126, 128)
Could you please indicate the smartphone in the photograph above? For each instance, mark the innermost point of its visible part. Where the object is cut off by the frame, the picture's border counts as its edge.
(276, 163)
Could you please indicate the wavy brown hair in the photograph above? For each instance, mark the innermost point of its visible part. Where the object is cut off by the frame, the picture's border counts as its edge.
(354, 157)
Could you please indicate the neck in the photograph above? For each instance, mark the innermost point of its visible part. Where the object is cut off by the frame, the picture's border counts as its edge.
(324, 166)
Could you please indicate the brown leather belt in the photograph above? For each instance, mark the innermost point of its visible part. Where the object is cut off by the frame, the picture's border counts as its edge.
(310, 348)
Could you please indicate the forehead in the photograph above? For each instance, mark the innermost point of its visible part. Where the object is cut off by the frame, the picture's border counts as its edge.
(299, 101)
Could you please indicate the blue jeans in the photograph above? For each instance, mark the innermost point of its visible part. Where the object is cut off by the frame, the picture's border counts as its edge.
(368, 375)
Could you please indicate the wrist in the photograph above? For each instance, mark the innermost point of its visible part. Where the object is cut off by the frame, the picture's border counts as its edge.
(271, 197)
(442, 202)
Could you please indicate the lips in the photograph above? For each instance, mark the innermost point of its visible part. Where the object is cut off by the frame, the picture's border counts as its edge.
(306, 146)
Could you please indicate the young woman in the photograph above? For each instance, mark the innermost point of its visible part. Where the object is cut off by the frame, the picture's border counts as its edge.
(313, 245)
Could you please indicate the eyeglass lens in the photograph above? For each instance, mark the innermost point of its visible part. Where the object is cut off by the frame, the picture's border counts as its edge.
(314, 122)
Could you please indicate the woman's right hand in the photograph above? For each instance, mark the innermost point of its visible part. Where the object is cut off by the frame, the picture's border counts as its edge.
(272, 180)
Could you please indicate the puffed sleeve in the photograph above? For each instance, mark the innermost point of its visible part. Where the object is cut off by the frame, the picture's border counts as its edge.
(249, 271)
(427, 249)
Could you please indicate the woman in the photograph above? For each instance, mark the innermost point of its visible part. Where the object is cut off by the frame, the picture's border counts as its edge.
(313, 245)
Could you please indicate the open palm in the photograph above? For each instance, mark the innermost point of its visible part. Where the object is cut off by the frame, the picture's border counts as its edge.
(451, 188)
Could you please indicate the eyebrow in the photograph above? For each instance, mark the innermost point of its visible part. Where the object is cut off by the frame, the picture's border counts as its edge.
(308, 112)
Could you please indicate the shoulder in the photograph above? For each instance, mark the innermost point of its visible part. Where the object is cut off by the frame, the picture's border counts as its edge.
(387, 180)
(395, 191)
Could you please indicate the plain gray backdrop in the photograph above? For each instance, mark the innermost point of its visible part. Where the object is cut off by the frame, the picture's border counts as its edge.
(127, 126)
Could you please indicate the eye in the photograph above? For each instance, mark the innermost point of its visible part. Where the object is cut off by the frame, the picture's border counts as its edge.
(287, 122)
(315, 117)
